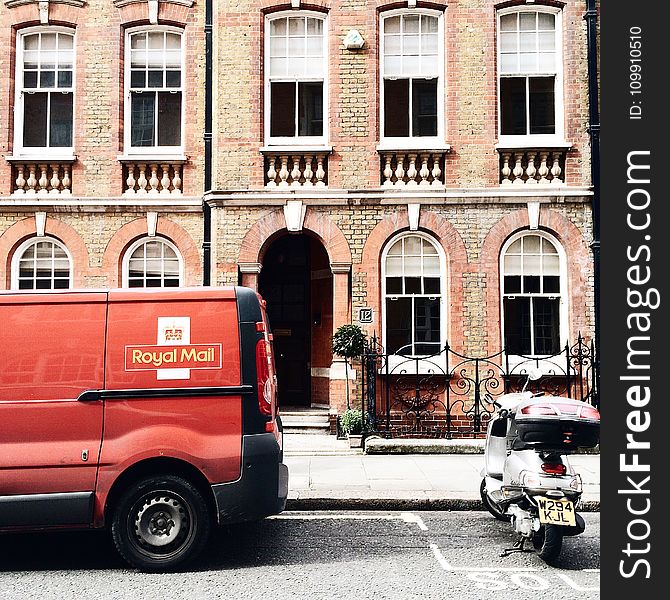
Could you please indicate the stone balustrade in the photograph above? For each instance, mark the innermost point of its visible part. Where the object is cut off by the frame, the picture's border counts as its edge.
(152, 178)
(42, 179)
(532, 167)
(284, 170)
(401, 168)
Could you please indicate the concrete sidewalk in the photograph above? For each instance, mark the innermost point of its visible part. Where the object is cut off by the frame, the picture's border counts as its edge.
(324, 473)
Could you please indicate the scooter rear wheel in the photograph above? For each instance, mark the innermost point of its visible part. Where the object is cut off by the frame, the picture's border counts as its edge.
(491, 506)
(548, 541)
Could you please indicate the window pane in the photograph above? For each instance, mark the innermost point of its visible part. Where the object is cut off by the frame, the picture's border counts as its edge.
(396, 248)
(393, 65)
(428, 248)
(548, 247)
(30, 79)
(431, 266)
(65, 79)
(512, 265)
(542, 115)
(393, 266)
(515, 246)
(509, 63)
(396, 108)
(528, 62)
(315, 46)
(527, 21)
(431, 285)
(138, 79)
(528, 42)
(508, 22)
(411, 44)
(512, 284)
(138, 40)
(429, 24)
(550, 265)
(413, 265)
(31, 42)
(314, 26)
(156, 39)
(142, 106)
(394, 285)
(547, 41)
(545, 321)
(513, 105)
(60, 134)
(35, 120)
(392, 25)
(508, 42)
(282, 109)
(392, 45)
(411, 24)
(173, 41)
(413, 245)
(426, 325)
(278, 27)
(48, 41)
(310, 107)
(531, 264)
(531, 284)
(296, 26)
(413, 285)
(551, 283)
(398, 325)
(169, 119)
(47, 79)
(531, 243)
(424, 107)
(138, 59)
(546, 21)
(517, 325)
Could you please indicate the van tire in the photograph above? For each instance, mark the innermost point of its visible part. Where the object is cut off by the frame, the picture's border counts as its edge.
(160, 523)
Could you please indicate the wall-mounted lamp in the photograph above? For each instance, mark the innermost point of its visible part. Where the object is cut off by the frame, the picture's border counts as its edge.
(353, 40)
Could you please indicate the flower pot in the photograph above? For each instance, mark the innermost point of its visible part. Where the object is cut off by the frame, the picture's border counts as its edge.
(355, 440)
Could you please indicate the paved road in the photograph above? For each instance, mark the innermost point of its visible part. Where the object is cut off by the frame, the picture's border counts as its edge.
(316, 555)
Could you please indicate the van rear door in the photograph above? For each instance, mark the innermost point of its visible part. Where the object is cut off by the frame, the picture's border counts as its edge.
(51, 351)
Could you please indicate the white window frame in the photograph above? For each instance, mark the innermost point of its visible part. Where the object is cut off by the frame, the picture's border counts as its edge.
(297, 141)
(558, 137)
(43, 152)
(125, 271)
(437, 363)
(166, 151)
(563, 326)
(414, 142)
(21, 250)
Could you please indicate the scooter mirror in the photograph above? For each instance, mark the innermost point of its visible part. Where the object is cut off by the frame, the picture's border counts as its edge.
(534, 373)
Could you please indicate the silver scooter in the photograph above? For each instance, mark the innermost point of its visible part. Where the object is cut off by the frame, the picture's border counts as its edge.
(527, 478)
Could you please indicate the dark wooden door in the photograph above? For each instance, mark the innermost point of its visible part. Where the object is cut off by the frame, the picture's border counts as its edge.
(284, 283)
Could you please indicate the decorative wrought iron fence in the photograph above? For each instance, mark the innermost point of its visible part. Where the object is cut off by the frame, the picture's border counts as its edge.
(448, 394)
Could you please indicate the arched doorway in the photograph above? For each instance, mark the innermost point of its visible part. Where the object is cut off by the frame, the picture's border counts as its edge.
(297, 283)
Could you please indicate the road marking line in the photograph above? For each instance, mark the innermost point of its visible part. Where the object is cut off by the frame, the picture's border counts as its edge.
(407, 517)
(440, 558)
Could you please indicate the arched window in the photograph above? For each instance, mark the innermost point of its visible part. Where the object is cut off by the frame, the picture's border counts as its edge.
(295, 68)
(414, 283)
(41, 263)
(533, 281)
(152, 262)
(45, 91)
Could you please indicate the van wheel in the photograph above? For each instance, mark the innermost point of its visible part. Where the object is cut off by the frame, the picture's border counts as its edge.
(160, 523)
(548, 541)
(491, 506)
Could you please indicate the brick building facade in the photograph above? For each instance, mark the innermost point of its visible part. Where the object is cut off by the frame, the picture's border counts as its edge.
(428, 160)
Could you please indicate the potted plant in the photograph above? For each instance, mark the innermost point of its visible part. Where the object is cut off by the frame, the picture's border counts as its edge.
(351, 424)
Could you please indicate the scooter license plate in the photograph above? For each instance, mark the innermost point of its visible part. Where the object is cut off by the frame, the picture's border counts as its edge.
(556, 512)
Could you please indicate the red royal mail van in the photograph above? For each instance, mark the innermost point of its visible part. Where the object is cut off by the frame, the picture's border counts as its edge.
(151, 412)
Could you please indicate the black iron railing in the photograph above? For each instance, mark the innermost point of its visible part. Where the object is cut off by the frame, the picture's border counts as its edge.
(449, 394)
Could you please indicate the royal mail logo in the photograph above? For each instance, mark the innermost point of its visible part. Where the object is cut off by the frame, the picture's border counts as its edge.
(191, 356)
(174, 334)
(173, 356)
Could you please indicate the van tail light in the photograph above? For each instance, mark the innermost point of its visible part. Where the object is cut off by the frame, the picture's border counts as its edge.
(554, 468)
(265, 377)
